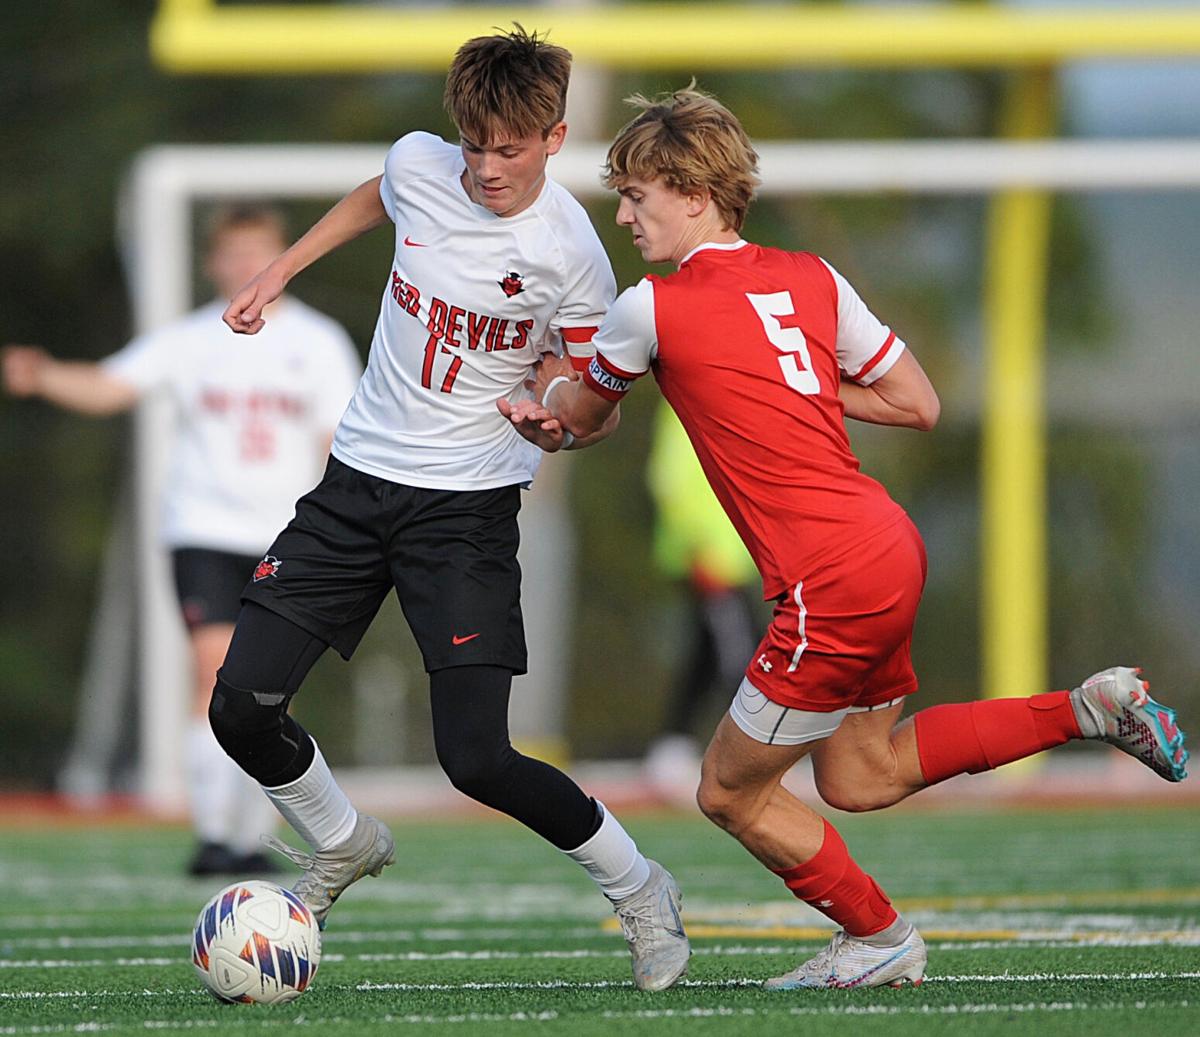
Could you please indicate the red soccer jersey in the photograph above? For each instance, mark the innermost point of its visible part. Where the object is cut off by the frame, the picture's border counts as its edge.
(749, 345)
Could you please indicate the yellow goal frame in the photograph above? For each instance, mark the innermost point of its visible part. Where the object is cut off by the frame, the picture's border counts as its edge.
(203, 36)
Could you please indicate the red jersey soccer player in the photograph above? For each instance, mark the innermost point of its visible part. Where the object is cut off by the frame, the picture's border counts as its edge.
(762, 353)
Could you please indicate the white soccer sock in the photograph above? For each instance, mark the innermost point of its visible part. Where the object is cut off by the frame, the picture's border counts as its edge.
(212, 783)
(254, 814)
(315, 806)
(612, 859)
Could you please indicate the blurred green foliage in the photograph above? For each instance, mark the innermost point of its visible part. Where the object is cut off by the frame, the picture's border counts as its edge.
(79, 98)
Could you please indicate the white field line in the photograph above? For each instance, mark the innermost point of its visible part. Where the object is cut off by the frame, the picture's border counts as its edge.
(722, 1011)
(263, 1024)
(1040, 977)
(697, 1012)
(736, 950)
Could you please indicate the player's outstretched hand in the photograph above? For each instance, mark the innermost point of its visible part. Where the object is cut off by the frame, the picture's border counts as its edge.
(244, 312)
(535, 423)
(21, 367)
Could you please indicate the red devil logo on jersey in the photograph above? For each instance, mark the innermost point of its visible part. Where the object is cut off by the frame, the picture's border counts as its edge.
(512, 284)
(269, 566)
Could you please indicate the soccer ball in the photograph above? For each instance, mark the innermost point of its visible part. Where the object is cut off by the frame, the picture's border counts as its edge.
(256, 942)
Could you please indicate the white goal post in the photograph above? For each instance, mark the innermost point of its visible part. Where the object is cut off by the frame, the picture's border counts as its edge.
(165, 183)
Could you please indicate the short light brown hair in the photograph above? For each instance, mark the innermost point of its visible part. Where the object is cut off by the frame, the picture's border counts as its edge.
(511, 84)
(242, 216)
(693, 143)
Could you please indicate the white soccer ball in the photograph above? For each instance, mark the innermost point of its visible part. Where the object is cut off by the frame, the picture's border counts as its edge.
(256, 942)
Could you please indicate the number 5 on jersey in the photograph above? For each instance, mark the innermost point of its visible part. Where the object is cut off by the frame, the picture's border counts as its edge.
(778, 315)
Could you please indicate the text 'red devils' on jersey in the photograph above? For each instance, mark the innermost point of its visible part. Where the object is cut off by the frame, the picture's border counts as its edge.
(749, 345)
(472, 299)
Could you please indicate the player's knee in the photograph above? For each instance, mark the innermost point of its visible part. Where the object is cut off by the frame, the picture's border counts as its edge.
(476, 769)
(240, 719)
(721, 804)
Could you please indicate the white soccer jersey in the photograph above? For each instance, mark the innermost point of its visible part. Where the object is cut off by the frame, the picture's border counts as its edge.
(471, 301)
(252, 414)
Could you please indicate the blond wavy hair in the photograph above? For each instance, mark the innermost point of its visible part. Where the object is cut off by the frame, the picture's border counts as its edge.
(693, 143)
(243, 215)
(508, 85)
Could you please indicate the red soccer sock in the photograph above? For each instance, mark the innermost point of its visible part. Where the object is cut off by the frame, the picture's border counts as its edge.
(837, 887)
(969, 737)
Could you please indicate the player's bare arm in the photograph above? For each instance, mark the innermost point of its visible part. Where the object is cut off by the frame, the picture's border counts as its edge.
(85, 388)
(904, 396)
(542, 427)
(581, 411)
(360, 211)
(538, 424)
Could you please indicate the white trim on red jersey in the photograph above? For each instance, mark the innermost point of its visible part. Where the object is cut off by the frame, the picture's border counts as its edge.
(866, 348)
(627, 341)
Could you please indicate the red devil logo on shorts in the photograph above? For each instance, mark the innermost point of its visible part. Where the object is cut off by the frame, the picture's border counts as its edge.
(269, 566)
(512, 284)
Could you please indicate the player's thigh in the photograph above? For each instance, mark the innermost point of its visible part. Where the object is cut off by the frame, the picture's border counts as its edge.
(455, 569)
(739, 762)
(860, 748)
(327, 572)
(209, 643)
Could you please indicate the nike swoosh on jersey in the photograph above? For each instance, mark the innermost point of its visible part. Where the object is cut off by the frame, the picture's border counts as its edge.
(413, 244)
(456, 640)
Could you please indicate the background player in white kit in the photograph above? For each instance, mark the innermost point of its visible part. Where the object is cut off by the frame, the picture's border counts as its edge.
(254, 423)
(494, 264)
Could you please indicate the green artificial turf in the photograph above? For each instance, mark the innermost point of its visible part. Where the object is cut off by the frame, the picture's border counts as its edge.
(1063, 923)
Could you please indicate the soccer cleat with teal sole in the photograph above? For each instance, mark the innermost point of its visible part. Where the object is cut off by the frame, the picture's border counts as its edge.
(1115, 706)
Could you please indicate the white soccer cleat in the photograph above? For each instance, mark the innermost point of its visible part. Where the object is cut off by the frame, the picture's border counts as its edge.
(654, 930)
(327, 873)
(1115, 706)
(851, 961)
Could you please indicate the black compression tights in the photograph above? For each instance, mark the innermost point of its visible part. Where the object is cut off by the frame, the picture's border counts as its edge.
(267, 660)
(470, 732)
(270, 656)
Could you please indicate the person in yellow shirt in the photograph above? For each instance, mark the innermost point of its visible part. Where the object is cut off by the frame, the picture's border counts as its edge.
(696, 545)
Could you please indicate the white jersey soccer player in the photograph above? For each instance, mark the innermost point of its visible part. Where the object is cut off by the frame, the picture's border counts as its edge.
(249, 418)
(251, 424)
(495, 265)
(473, 299)
(252, 430)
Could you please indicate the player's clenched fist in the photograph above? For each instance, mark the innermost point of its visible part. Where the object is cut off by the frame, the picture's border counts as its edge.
(244, 312)
(22, 367)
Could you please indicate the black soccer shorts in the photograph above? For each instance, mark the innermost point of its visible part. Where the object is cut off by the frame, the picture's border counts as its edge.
(209, 584)
(451, 555)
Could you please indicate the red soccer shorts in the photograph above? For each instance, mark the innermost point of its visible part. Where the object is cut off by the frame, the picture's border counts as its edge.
(841, 637)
